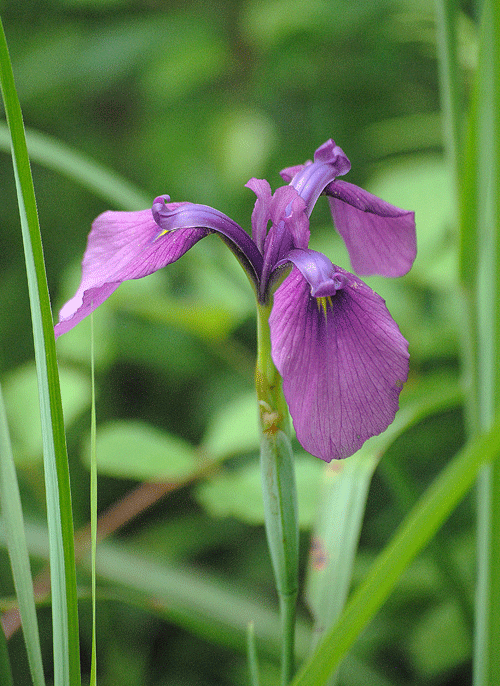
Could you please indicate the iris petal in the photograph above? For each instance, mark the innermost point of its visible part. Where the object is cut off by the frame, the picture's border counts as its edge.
(343, 361)
(380, 237)
(261, 212)
(122, 246)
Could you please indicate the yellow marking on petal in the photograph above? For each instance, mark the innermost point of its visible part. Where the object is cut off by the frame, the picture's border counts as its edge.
(162, 233)
(323, 304)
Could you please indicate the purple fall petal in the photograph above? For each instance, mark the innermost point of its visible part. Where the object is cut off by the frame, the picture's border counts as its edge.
(380, 237)
(174, 216)
(343, 361)
(122, 246)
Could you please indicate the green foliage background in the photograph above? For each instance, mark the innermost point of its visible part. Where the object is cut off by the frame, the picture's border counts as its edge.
(192, 99)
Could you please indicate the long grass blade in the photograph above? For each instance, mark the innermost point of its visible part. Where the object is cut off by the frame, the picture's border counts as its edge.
(93, 509)
(58, 495)
(11, 507)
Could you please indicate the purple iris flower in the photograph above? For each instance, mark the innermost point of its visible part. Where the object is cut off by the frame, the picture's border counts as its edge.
(341, 356)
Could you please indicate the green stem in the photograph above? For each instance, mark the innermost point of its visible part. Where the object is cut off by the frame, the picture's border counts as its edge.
(479, 207)
(278, 488)
(486, 305)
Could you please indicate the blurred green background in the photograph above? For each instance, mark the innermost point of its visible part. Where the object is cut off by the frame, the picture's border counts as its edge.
(192, 99)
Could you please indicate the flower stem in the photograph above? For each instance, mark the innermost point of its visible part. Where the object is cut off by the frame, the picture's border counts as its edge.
(480, 280)
(278, 488)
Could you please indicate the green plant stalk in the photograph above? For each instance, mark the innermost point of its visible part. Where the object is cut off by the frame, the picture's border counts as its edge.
(253, 664)
(278, 488)
(478, 184)
(59, 513)
(479, 207)
(450, 82)
(487, 635)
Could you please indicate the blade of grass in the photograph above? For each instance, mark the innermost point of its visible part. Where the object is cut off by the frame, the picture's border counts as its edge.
(58, 495)
(417, 529)
(253, 664)
(11, 507)
(93, 508)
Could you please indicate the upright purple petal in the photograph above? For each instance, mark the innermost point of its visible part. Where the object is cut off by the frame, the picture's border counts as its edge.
(288, 207)
(261, 213)
(331, 153)
(289, 225)
(311, 178)
(380, 237)
(343, 361)
(122, 246)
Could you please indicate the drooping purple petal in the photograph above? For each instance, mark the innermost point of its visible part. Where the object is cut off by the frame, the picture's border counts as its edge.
(122, 246)
(380, 237)
(174, 216)
(343, 361)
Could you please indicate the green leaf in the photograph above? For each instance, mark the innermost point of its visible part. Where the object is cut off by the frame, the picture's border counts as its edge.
(423, 183)
(233, 429)
(343, 497)
(199, 602)
(238, 493)
(21, 398)
(5, 670)
(440, 640)
(75, 165)
(135, 450)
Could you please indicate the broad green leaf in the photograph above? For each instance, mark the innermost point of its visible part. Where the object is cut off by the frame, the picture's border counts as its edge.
(423, 183)
(441, 640)
(75, 165)
(243, 138)
(238, 493)
(21, 396)
(135, 450)
(233, 429)
(342, 501)
(200, 602)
